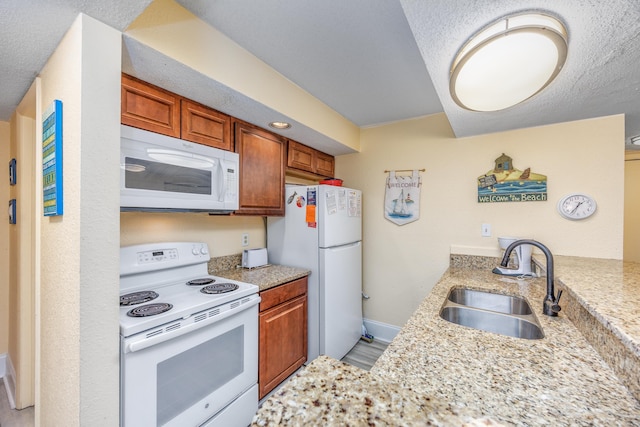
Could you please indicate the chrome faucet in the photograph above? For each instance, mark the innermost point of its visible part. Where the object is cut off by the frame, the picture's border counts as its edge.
(550, 305)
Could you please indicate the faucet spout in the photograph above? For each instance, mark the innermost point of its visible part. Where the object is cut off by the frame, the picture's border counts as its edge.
(550, 305)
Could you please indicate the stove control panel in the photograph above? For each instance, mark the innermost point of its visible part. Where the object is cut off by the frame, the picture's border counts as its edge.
(159, 256)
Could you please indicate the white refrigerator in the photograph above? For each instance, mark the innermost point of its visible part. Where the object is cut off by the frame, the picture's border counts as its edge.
(322, 232)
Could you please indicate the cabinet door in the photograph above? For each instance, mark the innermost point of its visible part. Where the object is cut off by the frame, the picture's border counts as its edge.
(283, 343)
(300, 156)
(262, 157)
(324, 164)
(149, 107)
(205, 126)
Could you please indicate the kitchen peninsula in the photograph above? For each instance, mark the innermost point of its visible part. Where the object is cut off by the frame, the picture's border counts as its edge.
(436, 371)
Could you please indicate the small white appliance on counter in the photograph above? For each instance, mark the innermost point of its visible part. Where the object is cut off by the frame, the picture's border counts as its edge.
(161, 173)
(252, 258)
(188, 340)
(322, 232)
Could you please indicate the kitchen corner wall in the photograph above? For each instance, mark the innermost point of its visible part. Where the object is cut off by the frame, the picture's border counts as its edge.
(78, 369)
(402, 263)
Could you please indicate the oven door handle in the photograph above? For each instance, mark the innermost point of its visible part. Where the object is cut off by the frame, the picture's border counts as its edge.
(157, 339)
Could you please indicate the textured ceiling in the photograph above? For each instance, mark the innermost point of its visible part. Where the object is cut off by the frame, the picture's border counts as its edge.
(373, 61)
(30, 30)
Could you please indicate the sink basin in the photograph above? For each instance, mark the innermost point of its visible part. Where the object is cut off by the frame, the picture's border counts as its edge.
(491, 312)
(497, 323)
(509, 304)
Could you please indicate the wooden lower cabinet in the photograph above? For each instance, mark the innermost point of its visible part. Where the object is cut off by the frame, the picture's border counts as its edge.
(283, 333)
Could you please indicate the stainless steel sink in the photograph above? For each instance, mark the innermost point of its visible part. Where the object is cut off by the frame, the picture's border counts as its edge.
(491, 312)
(509, 304)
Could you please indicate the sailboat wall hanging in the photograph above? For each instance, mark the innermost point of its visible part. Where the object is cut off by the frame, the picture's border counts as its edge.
(402, 198)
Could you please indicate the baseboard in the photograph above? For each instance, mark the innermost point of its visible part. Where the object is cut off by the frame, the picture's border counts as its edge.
(9, 380)
(3, 364)
(381, 331)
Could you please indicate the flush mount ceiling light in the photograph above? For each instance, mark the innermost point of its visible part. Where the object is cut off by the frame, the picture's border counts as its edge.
(280, 125)
(508, 62)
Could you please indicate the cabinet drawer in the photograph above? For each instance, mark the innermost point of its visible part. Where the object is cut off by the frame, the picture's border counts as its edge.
(279, 294)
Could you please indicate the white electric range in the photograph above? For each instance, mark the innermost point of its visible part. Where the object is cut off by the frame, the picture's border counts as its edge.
(189, 340)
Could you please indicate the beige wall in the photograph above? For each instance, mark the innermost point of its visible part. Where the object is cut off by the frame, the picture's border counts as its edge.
(401, 264)
(632, 206)
(79, 367)
(22, 261)
(222, 233)
(4, 242)
(174, 31)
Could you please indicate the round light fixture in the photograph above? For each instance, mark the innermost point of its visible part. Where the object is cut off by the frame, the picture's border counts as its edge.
(508, 62)
(280, 125)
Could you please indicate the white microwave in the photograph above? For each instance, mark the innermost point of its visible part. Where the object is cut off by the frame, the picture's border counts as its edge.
(161, 173)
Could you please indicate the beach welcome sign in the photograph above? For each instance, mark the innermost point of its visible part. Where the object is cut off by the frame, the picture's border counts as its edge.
(505, 183)
(402, 198)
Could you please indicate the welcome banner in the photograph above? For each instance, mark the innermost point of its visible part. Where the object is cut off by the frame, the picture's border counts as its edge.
(402, 198)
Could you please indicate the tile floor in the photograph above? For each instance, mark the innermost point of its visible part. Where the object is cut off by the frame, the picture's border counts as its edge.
(13, 417)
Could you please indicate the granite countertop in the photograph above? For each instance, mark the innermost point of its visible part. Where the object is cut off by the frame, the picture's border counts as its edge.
(483, 377)
(264, 277)
(609, 290)
(328, 392)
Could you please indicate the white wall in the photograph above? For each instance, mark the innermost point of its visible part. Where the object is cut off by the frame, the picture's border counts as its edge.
(79, 261)
(401, 264)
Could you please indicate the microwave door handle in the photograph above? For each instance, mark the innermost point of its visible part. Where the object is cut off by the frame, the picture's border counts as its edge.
(222, 180)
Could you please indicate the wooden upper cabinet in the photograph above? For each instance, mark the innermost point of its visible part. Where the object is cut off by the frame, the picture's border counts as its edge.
(325, 164)
(300, 156)
(307, 159)
(262, 161)
(149, 107)
(206, 126)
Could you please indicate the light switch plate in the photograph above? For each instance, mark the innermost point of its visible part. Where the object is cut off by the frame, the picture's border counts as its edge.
(12, 211)
(486, 230)
(12, 172)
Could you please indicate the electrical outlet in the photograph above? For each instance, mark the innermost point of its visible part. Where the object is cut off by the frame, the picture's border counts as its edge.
(486, 230)
(245, 239)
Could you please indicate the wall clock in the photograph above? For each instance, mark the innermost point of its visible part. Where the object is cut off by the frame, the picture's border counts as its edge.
(576, 206)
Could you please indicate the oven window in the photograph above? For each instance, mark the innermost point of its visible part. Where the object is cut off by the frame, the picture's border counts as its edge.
(146, 175)
(192, 375)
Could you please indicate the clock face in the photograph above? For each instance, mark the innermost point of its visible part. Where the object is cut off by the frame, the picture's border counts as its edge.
(577, 206)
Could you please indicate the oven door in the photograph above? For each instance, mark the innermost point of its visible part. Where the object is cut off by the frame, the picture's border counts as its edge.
(188, 379)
